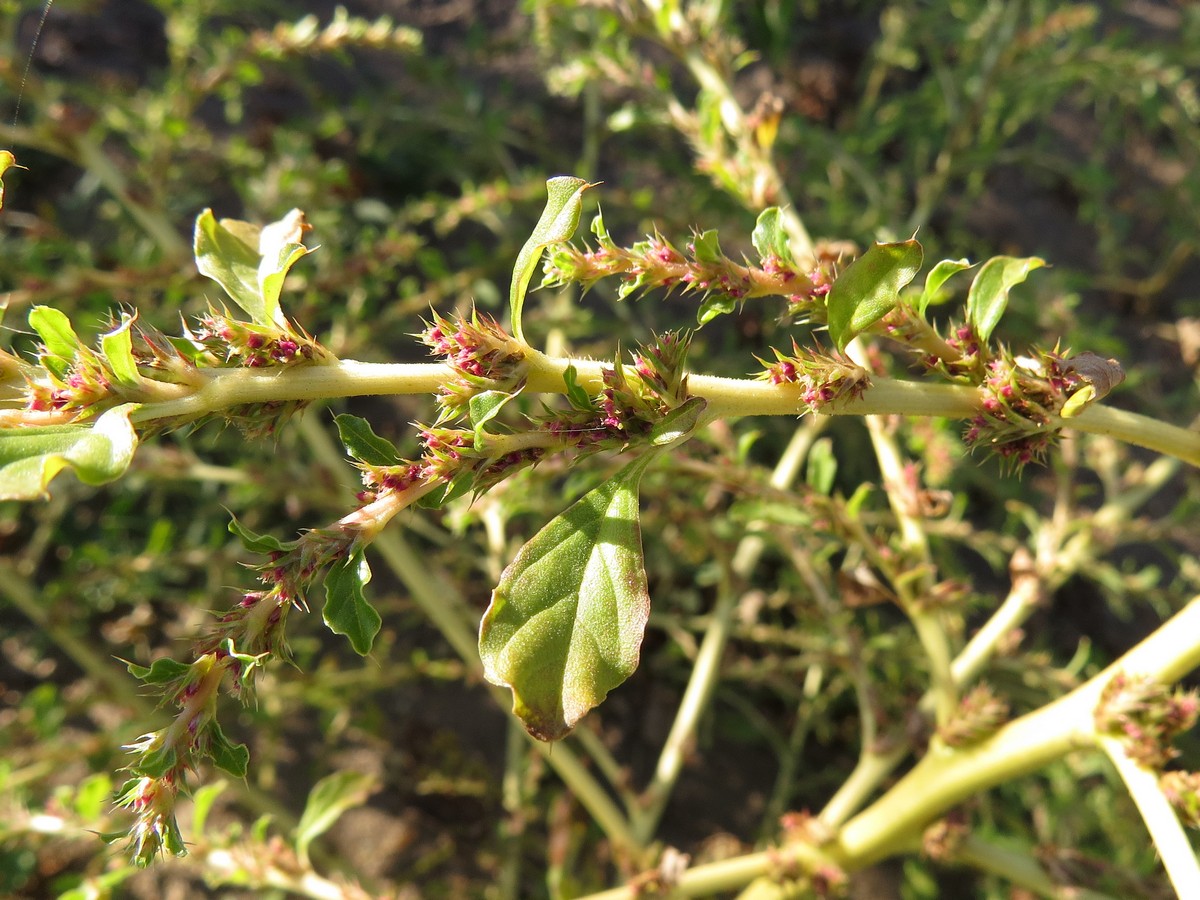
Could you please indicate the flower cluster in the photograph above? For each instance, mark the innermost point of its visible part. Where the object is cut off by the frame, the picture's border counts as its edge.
(1024, 397)
(230, 342)
(703, 269)
(1147, 716)
(823, 377)
(481, 353)
(1182, 790)
(979, 714)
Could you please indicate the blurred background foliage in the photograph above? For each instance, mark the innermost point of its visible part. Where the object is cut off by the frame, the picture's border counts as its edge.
(418, 146)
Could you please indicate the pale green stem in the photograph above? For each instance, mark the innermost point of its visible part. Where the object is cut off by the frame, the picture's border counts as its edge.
(946, 777)
(727, 397)
(1174, 848)
(444, 606)
(927, 622)
(706, 669)
(869, 772)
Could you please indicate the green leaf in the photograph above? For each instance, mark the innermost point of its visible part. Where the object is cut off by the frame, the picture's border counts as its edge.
(937, 277)
(7, 161)
(62, 344)
(329, 798)
(566, 621)
(226, 755)
(117, 347)
(988, 297)
(98, 453)
(258, 543)
(714, 305)
(484, 407)
(250, 262)
(280, 247)
(363, 444)
(870, 288)
(559, 220)
(770, 238)
(678, 423)
(161, 671)
(346, 608)
(577, 396)
(706, 247)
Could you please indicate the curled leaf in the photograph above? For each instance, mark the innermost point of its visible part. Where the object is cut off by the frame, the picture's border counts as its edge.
(560, 218)
(98, 453)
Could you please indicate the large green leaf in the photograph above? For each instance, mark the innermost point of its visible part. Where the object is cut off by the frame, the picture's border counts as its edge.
(250, 262)
(870, 288)
(566, 621)
(559, 220)
(98, 453)
(988, 297)
(346, 609)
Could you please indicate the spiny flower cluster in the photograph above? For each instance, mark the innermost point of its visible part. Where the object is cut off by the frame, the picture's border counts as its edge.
(823, 377)
(979, 714)
(1182, 790)
(703, 269)
(230, 342)
(483, 356)
(1147, 716)
(1022, 397)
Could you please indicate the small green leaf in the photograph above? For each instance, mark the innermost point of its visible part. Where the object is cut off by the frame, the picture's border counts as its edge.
(156, 763)
(226, 755)
(577, 396)
(769, 237)
(62, 344)
(117, 347)
(346, 608)
(363, 444)
(566, 621)
(7, 161)
(560, 218)
(678, 423)
(714, 305)
(484, 407)
(1078, 401)
(988, 297)
(870, 288)
(706, 247)
(98, 453)
(161, 671)
(258, 543)
(329, 798)
(937, 277)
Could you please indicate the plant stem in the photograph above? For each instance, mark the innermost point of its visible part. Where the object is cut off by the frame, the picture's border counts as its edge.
(1018, 867)
(706, 669)
(944, 777)
(727, 397)
(1164, 826)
